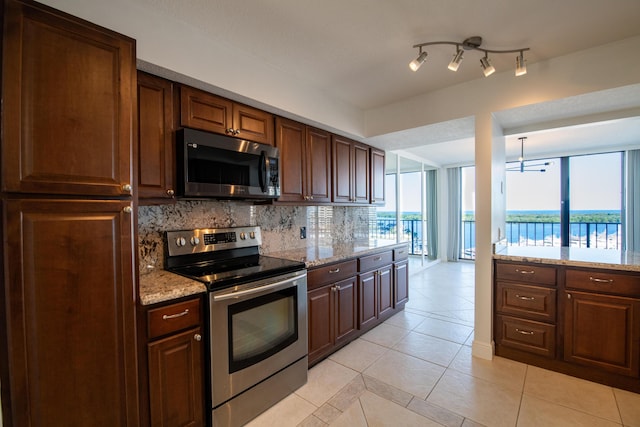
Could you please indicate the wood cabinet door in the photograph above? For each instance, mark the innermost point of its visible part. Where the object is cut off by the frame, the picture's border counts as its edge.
(318, 165)
(253, 124)
(401, 282)
(205, 111)
(176, 374)
(360, 173)
(156, 147)
(367, 300)
(385, 291)
(377, 176)
(320, 307)
(342, 161)
(70, 312)
(290, 141)
(346, 309)
(68, 90)
(602, 331)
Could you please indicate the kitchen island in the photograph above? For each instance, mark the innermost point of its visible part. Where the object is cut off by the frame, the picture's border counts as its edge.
(572, 310)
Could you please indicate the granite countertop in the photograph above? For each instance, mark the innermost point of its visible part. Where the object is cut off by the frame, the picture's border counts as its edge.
(578, 257)
(158, 286)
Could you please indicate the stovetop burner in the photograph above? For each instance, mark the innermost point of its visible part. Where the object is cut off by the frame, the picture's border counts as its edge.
(222, 258)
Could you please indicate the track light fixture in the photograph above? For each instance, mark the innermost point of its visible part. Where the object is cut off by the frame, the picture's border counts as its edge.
(471, 43)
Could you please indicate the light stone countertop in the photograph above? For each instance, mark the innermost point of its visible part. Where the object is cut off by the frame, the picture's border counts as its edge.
(158, 286)
(577, 257)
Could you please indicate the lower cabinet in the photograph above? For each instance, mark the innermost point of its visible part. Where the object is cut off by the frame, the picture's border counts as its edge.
(348, 298)
(586, 324)
(176, 364)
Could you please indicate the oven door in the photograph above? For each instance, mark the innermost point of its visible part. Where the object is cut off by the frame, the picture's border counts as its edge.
(257, 329)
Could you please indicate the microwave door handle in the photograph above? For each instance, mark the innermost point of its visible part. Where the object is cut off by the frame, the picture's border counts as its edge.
(263, 171)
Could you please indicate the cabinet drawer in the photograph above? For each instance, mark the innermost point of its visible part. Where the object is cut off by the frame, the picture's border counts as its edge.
(604, 281)
(320, 276)
(400, 254)
(527, 335)
(526, 273)
(534, 302)
(174, 317)
(372, 262)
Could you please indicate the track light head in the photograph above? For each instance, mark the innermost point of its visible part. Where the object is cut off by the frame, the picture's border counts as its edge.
(487, 68)
(521, 65)
(417, 63)
(457, 59)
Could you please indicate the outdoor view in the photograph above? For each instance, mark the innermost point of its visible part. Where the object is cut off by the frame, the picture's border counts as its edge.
(533, 204)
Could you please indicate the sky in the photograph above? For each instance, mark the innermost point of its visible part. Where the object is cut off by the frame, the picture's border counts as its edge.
(595, 185)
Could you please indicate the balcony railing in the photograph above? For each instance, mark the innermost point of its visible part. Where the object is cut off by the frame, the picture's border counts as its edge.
(602, 235)
(385, 228)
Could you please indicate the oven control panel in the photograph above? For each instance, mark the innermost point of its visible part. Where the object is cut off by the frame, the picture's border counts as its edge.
(200, 240)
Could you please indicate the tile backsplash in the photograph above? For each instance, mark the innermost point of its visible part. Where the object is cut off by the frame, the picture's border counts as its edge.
(280, 225)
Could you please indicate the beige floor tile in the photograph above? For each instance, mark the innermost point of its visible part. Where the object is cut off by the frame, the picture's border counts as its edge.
(380, 412)
(585, 396)
(405, 320)
(503, 372)
(324, 380)
(629, 405)
(406, 373)
(290, 411)
(353, 416)
(477, 399)
(426, 347)
(444, 329)
(535, 412)
(359, 354)
(435, 413)
(348, 394)
(385, 335)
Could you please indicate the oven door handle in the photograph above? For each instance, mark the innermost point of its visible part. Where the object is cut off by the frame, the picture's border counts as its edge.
(271, 286)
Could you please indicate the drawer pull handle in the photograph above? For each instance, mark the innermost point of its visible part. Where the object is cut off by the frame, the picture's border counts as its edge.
(335, 270)
(400, 252)
(596, 280)
(173, 316)
(378, 258)
(525, 298)
(525, 271)
(523, 332)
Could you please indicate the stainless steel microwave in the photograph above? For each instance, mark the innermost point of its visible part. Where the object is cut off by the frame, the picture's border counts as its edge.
(217, 166)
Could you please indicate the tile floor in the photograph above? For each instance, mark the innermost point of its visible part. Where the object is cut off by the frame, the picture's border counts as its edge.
(416, 369)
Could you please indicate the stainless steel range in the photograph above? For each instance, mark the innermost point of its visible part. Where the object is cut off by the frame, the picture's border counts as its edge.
(257, 318)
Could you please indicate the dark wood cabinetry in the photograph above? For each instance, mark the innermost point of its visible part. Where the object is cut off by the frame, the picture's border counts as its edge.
(580, 321)
(400, 277)
(305, 162)
(351, 171)
(375, 289)
(70, 313)
(377, 176)
(67, 114)
(176, 364)
(208, 112)
(332, 307)
(603, 330)
(156, 147)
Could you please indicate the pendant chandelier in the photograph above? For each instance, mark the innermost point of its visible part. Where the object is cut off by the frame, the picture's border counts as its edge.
(523, 165)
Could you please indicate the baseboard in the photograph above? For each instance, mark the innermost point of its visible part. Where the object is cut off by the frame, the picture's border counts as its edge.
(482, 350)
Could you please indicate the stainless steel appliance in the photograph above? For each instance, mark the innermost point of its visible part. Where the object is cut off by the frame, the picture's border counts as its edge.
(218, 166)
(257, 318)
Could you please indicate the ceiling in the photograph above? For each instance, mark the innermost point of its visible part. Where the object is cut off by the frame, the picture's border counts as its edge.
(358, 51)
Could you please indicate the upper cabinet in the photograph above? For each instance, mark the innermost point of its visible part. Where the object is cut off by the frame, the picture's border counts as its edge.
(208, 112)
(55, 141)
(305, 158)
(156, 158)
(350, 171)
(377, 176)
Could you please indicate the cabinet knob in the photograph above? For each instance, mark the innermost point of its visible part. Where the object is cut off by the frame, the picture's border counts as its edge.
(126, 188)
(170, 192)
(127, 209)
(236, 132)
(197, 337)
